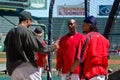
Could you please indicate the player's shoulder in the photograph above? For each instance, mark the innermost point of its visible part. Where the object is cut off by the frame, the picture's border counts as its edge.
(97, 34)
(79, 34)
(100, 36)
(12, 30)
(63, 37)
(19, 28)
(23, 30)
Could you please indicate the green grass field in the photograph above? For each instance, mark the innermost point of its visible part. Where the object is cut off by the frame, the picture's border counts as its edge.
(2, 56)
(112, 66)
(114, 57)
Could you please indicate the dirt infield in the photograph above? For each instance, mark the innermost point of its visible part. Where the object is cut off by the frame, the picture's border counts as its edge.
(114, 61)
(2, 53)
(2, 59)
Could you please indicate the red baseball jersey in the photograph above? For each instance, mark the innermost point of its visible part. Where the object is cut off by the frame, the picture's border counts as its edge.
(40, 61)
(40, 57)
(66, 52)
(95, 56)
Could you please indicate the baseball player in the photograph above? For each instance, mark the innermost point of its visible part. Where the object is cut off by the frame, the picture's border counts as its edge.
(42, 60)
(66, 51)
(92, 54)
(21, 45)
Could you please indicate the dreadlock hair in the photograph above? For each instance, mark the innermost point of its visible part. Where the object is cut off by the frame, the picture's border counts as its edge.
(93, 28)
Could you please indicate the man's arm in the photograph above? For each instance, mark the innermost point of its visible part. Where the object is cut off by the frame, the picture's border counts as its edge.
(77, 56)
(75, 64)
(35, 43)
(45, 60)
(59, 56)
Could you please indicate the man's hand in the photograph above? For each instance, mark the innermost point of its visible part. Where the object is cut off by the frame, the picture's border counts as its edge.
(56, 44)
(46, 68)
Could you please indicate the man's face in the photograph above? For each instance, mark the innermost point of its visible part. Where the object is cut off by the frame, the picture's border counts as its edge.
(72, 25)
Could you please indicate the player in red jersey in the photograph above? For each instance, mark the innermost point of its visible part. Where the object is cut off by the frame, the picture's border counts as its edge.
(42, 60)
(92, 52)
(66, 51)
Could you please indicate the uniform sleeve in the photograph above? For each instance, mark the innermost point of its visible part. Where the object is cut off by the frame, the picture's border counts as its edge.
(59, 56)
(34, 43)
(78, 50)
